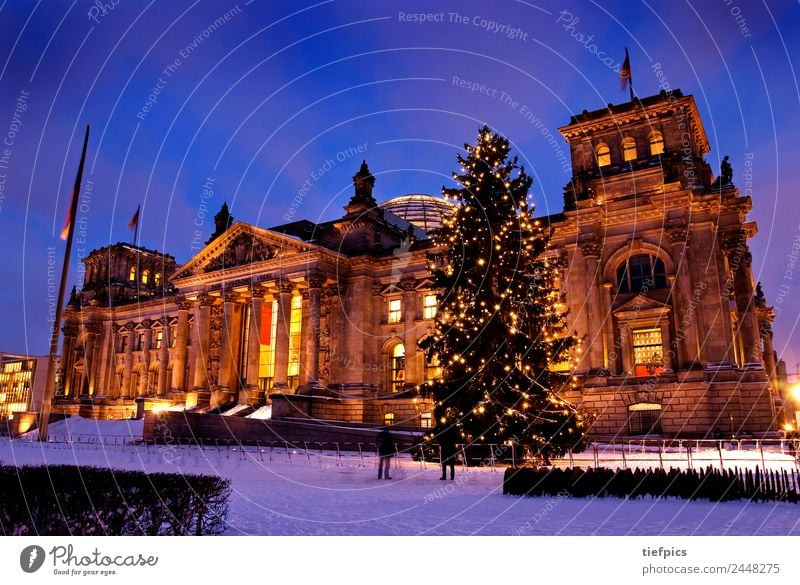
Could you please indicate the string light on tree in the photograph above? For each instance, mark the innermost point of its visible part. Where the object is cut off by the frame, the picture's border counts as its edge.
(500, 332)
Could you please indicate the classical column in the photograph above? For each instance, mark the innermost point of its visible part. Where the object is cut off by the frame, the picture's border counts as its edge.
(766, 316)
(610, 353)
(68, 357)
(148, 338)
(739, 263)
(128, 373)
(163, 357)
(88, 359)
(281, 368)
(625, 348)
(227, 364)
(181, 337)
(685, 313)
(200, 341)
(97, 353)
(106, 349)
(409, 286)
(315, 282)
(592, 251)
(251, 392)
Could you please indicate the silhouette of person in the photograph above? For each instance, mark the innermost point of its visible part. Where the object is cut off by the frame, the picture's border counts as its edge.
(386, 450)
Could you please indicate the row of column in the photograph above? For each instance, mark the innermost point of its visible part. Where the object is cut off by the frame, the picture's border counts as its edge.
(228, 374)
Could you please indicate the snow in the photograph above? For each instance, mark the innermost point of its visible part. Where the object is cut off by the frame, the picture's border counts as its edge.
(236, 409)
(299, 493)
(263, 413)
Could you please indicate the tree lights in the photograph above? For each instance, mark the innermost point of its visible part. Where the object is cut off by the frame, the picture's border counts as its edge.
(500, 334)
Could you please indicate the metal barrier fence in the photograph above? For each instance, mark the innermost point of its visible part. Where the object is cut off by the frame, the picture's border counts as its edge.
(663, 453)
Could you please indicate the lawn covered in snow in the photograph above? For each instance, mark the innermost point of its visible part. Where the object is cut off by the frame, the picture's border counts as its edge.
(300, 493)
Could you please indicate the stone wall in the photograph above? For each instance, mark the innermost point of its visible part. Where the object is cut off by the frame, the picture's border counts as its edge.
(688, 409)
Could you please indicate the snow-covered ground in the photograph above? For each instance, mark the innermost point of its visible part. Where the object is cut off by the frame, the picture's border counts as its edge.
(306, 494)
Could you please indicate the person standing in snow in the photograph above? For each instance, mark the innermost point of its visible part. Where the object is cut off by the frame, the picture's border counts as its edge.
(386, 449)
(449, 451)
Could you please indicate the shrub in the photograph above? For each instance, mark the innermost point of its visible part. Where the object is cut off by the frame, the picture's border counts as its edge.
(63, 500)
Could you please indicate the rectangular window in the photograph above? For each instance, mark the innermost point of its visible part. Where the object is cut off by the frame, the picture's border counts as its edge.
(426, 420)
(395, 311)
(159, 338)
(295, 320)
(648, 352)
(429, 306)
(123, 343)
(433, 370)
(140, 342)
(173, 335)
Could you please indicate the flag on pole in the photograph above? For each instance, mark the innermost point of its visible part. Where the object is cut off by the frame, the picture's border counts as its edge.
(70, 216)
(134, 223)
(625, 76)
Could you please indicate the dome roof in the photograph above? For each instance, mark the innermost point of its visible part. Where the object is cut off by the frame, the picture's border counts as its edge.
(424, 211)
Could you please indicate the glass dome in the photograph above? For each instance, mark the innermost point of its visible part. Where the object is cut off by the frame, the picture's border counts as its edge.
(424, 211)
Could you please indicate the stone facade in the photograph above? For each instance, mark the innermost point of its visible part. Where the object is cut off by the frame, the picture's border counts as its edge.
(324, 319)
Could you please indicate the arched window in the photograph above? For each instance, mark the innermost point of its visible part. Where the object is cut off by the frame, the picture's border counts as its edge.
(603, 154)
(433, 369)
(640, 274)
(656, 143)
(644, 418)
(629, 149)
(132, 274)
(398, 368)
(145, 276)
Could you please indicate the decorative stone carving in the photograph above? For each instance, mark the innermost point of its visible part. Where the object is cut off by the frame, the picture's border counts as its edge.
(215, 342)
(591, 248)
(244, 249)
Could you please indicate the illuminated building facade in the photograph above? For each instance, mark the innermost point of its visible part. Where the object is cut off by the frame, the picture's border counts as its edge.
(324, 319)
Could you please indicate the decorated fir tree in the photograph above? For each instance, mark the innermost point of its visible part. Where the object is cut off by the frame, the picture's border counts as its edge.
(500, 335)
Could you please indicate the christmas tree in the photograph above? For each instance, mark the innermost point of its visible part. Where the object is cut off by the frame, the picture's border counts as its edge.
(500, 335)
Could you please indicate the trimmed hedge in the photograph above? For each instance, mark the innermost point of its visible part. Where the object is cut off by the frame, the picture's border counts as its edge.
(61, 500)
(705, 484)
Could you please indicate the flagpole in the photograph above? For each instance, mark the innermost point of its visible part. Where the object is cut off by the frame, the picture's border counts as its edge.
(49, 385)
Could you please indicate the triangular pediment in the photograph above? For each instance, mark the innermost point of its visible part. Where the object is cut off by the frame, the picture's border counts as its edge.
(391, 289)
(242, 244)
(640, 304)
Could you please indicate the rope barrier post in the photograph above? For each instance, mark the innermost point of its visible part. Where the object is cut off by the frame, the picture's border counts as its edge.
(360, 455)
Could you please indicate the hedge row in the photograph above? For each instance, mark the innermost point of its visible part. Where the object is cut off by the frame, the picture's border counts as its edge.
(705, 484)
(63, 500)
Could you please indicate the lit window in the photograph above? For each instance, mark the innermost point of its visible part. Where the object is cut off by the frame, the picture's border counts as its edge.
(145, 276)
(398, 368)
(268, 332)
(647, 352)
(433, 370)
(629, 149)
(132, 274)
(429, 306)
(159, 338)
(294, 341)
(644, 418)
(640, 274)
(173, 335)
(388, 418)
(157, 279)
(603, 155)
(395, 311)
(656, 144)
(426, 420)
